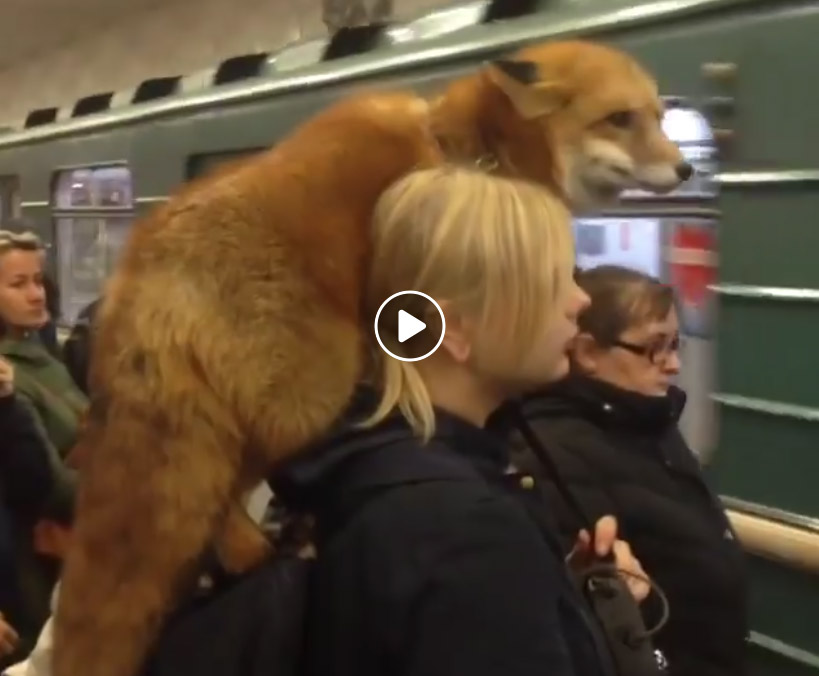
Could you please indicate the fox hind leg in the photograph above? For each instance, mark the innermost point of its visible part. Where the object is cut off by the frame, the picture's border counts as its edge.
(239, 543)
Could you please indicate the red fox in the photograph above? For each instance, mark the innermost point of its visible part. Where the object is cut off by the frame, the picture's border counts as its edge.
(230, 335)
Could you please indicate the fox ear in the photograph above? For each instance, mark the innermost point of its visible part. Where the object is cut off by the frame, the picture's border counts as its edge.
(521, 83)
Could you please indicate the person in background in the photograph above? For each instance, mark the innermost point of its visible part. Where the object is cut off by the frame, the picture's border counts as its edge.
(25, 483)
(77, 347)
(45, 389)
(48, 332)
(37, 662)
(451, 567)
(611, 430)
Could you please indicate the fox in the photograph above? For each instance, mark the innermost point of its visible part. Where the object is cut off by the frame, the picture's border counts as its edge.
(230, 335)
(582, 118)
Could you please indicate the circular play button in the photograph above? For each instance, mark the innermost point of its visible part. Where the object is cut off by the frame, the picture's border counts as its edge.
(409, 326)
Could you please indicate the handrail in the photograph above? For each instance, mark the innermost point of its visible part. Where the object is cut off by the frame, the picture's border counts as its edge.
(795, 547)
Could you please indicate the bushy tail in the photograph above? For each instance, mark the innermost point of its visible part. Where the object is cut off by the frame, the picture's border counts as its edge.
(150, 500)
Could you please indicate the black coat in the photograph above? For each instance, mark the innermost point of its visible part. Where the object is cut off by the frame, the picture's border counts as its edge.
(26, 482)
(622, 453)
(450, 567)
(77, 348)
(26, 479)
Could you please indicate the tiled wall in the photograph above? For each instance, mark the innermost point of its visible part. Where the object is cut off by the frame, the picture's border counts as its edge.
(180, 37)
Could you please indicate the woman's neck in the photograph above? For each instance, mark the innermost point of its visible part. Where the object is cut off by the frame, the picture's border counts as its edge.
(15, 333)
(457, 390)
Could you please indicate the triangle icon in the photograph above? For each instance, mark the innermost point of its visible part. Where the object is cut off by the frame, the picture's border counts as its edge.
(408, 326)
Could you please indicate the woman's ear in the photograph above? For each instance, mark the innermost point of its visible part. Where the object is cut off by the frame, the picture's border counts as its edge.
(585, 353)
(457, 337)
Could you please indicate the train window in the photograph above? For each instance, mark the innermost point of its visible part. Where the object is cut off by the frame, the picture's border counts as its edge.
(204, 162)
(9, 197)
(92, 209)
(90, 187)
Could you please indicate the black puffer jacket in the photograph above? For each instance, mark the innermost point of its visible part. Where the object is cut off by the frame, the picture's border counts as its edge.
(448, 566)
(622, 453)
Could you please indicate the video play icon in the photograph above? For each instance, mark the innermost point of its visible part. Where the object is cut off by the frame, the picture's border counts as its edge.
(409, 326)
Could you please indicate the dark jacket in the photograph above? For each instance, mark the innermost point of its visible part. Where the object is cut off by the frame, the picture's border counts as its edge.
(26, 482)
(77, 347)
(622, 453)
(448, 568)
(26, 479)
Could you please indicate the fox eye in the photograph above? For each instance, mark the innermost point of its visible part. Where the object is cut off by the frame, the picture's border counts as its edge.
(621, 119)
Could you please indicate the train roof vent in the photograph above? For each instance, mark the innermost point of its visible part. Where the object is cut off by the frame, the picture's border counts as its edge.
(498, 10)
(448, 20)
(241, 67)
(301, 55)
(41, 116)
(156, 88)
(95, 103)
(353, 40)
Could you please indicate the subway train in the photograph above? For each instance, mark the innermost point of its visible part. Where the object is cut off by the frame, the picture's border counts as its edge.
(737, 241)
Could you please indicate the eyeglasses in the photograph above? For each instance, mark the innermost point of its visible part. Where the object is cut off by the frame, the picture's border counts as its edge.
(655, 351)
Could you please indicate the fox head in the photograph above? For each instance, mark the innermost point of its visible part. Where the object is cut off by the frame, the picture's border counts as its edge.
(584, 116)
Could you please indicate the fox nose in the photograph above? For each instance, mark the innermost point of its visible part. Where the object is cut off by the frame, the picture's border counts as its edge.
(684, 171)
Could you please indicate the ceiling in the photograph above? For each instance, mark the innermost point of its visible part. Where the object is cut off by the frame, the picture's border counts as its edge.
(29, 27)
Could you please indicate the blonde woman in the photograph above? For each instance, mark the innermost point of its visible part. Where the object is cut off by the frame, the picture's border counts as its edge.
(43, 387)
(435, 556)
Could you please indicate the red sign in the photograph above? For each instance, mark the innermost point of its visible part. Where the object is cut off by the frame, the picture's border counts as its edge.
(693, 262)
(693, 267)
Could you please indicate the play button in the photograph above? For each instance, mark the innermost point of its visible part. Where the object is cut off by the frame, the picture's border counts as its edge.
(409, 326)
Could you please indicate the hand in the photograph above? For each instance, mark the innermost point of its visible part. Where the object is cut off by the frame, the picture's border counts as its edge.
(6, 378)
(8, 638)
(606, 542)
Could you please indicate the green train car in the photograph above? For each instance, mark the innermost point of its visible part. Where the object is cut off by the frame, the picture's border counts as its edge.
(738, 241)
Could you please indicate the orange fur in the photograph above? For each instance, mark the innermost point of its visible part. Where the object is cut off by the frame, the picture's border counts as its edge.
(567, 139)
(230, 338)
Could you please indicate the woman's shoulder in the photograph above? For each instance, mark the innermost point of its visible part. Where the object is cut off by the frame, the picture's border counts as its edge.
(435, 517)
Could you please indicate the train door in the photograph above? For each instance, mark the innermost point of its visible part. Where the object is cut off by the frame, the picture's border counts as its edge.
(673, 238)
(9, 197)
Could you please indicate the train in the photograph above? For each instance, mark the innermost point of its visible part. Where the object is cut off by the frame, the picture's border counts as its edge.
(737, 242)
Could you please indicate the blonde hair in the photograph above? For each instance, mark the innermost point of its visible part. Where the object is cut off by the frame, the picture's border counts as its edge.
(482, 243)
(17, 241)
(23, 241)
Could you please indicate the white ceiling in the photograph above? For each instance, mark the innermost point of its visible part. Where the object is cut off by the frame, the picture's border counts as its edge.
(30, 27)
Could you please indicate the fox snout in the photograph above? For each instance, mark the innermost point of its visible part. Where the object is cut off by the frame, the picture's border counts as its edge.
(661, 177)
(604, 168)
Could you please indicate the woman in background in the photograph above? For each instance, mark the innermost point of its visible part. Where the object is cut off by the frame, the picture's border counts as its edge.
(48, 393)
(611, 430)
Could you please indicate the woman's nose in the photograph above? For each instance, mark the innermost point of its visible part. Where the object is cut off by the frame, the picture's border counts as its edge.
(672, 363)
(36, 293)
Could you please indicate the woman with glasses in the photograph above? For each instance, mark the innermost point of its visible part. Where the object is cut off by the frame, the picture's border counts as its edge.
(610, 430)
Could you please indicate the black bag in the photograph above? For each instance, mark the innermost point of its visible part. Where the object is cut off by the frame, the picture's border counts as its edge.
(250, 626)
(254, 625)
